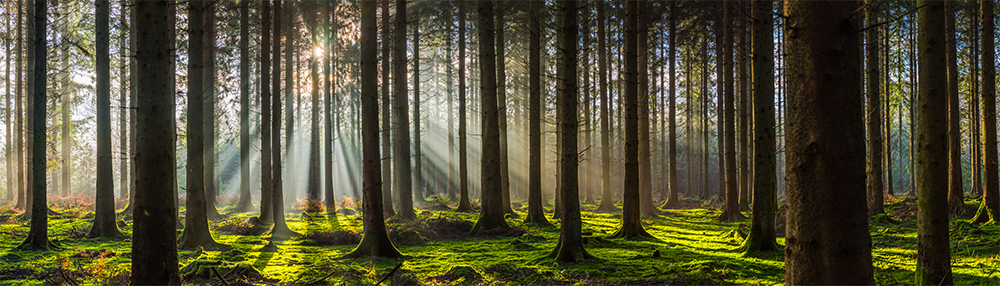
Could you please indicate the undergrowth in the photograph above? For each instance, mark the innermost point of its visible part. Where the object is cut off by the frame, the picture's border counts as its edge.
(690, 248)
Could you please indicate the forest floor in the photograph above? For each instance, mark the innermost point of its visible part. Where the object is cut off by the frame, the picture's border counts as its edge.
(689, 248)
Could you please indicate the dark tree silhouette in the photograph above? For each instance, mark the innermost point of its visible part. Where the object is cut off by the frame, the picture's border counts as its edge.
(386, 115)
(492, 213)
(105, 224)
(875, 197)
(463, 163)
(401, 119)
(244, 204)
(38, 233)
(990, 206)
(266, 181)
(535, 210)
(732, 208)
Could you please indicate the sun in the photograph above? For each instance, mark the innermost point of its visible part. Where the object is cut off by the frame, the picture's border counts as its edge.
(318, 52)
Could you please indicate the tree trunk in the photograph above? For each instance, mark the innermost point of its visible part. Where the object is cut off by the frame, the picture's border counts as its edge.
(313, 187)
(211, 181)
(742, 124)
(105, 224)
(570, 245)
(154, 240)
(974, 136)
(29, 110)
(7, 111)
(330, 104)
(672, 201)
(501, 68)
(827, 240)
(19, 114)
(875, 199)
(732, 208)
(418, 178)
(196, 232)
(765, 197)
(244, 204)
(989, 209)
(492, 214)
(280, 228)
(266, 181)
(386, 116)
(645, 170)
(375, 241)
(720, 84)
(451, 111)
(535, 210)
(401, 119)
(607, 201)
(933, 254)
(38, 234)
(631, 225)
(463, 165)
(956, 195)
(291, 98)
(66, 160)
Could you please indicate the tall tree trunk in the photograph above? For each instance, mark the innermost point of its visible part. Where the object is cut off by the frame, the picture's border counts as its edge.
(451, 109)
(291, 98)
(7, 111)
(535, 210)
(375, 241)
(645, 170)
(313, 187)
(826, 236)
(29, 110)
(874, 113)
(386, 130)
(401, 119)
(501, 68)
(196, 232)
(974, 136)
(607, 202)
(244, 204)
(330, 104)
(570, 245)
(463, 165)
(933, 253)
(154, 240)
(66, 160)
(732, 208)
(492, 214)
(266, 181)
(105, 224)
(279, 229)
(123, 87)
(19, 113)
(418, 179)
(38, 234)
(765, 197)
(742, 124)
(989, 209)
(631, 224)
(720, 86)
(211, 180)
(672, 201)
(956, 195)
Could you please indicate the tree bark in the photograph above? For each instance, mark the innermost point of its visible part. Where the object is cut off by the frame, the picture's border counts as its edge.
(401, 119)
(375, 241)
(7, 111)
(19, 114)
(266, 181)
(826, 236)
(418, 176)
(645, 170)
(38, 234)
(761, 237)
(607, 202)
(196, 232)
(154, 240)
(956, 194)
(672, 201)
(875, 197)
(989, 209)
(330, 104)
(631, 225)
(279, 229)
(313, 187)
(933, 253)
(211, 180)
(501, 68)
(463, 166)
(732, 207)
(386, 116)
(535, 210)
(245, 202)
(492, 214)
(105, 224)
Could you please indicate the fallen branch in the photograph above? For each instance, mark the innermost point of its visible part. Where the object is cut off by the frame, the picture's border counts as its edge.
(321, 279)
(390, 273)
(214, 270)
(66, 277)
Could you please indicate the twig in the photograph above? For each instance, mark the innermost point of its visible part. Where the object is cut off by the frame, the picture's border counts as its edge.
(321, 279)
(389, 274)
(219, 276)
(63, 274)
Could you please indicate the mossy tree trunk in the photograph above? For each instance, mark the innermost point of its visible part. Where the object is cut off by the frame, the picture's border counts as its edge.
(631, 224)
(761, 237)
(492, 214)
(105, 224)
(154, 240)
(535, 210)
(933, 253)
(375, 241)
(875, 198)
(570, 245)
(990, 206)
(826, 236)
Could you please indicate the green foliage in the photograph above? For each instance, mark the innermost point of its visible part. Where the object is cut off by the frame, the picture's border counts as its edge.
(690, 249)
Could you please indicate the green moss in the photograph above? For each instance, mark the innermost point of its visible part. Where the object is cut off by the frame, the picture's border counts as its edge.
(693, 249)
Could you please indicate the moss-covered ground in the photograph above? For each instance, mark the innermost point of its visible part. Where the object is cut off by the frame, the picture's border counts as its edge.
(689, 248)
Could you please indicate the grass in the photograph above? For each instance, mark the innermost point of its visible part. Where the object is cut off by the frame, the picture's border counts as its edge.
(690, 248)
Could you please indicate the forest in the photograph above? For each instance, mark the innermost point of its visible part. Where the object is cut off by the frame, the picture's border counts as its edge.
(499, 142)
